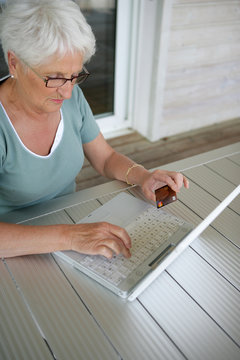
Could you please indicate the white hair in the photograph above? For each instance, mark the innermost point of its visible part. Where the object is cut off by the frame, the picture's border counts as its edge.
(35, 30)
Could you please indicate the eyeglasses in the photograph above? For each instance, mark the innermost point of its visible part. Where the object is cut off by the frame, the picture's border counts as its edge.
(59, 81)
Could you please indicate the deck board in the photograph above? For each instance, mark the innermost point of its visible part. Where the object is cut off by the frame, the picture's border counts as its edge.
(166, 150)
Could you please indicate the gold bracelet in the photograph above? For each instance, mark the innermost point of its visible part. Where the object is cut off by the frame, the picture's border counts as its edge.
(128, 171)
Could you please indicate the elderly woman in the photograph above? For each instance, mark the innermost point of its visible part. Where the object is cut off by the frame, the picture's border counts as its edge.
(47, 127)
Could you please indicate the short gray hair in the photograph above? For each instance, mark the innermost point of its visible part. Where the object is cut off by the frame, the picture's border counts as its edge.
(38, 29)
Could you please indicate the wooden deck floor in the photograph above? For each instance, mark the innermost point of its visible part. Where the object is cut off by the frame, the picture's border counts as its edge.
(167, 150)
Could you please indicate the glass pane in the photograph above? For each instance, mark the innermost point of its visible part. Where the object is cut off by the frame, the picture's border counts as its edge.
(99, 87)
(3, 65)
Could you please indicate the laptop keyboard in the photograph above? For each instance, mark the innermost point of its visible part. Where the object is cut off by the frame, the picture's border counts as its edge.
(150, 230)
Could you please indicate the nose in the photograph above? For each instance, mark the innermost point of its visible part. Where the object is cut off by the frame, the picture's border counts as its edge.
(66, 90)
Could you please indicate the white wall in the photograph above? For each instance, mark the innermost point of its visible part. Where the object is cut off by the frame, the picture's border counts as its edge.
(187, 65)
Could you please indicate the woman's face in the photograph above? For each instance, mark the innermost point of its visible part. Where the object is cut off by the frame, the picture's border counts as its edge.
(33, 90)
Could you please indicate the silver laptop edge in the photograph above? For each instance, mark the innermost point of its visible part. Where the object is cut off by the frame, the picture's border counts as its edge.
(184, 244)
(159, 261)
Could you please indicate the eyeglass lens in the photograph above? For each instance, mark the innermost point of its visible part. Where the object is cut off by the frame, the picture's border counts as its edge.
(60, 82)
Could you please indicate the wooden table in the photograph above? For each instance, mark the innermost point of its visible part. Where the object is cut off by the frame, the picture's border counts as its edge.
(50, 310)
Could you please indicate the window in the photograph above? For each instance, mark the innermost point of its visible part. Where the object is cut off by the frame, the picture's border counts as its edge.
(99, 88)
(108, 89)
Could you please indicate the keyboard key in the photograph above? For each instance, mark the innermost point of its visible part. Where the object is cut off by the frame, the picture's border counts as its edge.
(149, 231)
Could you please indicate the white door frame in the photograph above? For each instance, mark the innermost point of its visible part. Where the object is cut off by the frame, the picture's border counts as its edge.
(142, 40)
(151, 67)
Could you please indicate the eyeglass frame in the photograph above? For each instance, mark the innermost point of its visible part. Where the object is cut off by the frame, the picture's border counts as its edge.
(47, 78)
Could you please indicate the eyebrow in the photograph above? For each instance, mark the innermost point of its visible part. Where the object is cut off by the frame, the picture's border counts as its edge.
(60, 74)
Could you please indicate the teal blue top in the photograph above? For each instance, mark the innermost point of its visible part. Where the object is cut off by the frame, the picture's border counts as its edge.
(27, 178)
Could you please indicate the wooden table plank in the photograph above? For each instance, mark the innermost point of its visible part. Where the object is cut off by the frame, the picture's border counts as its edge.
(214, 184)
(222, 254)
(19, 336)
(130, 328)
(77, 212)
(172, 319)
(65, 322)
(186, 323)
(202, 203)
(219, 299)
(227, 169)
(58, 217)
(235, 158)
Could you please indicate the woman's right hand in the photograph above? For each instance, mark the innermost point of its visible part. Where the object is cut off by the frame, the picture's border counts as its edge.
(100, 238)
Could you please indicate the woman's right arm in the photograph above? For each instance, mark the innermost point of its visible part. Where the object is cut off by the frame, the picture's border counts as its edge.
(98, 238)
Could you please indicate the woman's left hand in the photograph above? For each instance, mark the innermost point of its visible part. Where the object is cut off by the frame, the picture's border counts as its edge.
(158, 178)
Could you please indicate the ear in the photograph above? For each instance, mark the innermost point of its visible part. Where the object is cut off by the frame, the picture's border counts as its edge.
(12, 63)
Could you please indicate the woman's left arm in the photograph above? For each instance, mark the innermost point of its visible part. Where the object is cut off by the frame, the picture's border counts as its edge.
(114, 165)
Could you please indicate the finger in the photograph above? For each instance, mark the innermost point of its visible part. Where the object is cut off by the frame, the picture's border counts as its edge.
(175, 181)
(149, 194)
(162, 178)
(114, 246)
(185, 182)
(105, 251)
(171, 183)
(178, 179)
(118, 247)
(121, 234)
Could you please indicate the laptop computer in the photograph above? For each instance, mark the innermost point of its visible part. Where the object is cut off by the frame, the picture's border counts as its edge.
(158, 238)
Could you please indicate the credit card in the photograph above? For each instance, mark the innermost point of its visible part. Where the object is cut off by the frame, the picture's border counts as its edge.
(165, 195)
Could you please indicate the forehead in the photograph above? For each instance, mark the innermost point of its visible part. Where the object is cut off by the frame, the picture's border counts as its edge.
(67, 64)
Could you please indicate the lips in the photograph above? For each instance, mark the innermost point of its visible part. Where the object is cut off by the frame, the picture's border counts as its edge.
(57, 101)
